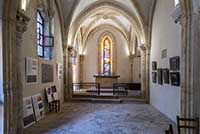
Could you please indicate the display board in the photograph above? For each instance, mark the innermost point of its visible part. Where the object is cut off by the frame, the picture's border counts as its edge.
(28, 114)
(51, 93)
(38, 106)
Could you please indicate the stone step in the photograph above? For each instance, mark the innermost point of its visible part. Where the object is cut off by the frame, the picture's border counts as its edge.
(106, 100)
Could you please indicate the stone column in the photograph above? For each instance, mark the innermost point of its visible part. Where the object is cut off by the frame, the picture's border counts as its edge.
(21, 27)
(147, 89)
(143, 72)
(81, 60)
(65, 72)
(70, 71)
(190, 74)
(131, 61)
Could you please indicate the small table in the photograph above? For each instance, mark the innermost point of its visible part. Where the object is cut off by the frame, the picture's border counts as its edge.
(54, 106)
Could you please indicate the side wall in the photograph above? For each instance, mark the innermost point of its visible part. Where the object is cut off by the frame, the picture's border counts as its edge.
(30, 47)
(165, 35)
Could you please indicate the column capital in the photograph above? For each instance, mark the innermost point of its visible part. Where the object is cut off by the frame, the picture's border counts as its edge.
(21, 24)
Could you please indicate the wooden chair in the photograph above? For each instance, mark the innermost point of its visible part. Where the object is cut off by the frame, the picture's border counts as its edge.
(188, 123)
(170, 130)
(54, 106)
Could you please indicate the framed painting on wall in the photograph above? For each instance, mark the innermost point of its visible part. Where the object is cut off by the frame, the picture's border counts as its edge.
(154, 65)
(166, 76)
(154, 77)
(175, 78)
(174, 63)
(160, 76)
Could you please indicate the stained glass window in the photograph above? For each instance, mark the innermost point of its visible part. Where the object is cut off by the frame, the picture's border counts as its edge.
(107, 56)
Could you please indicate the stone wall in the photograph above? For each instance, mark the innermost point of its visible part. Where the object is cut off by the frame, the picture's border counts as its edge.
(165, 35)
(30, 46)
(91, 64)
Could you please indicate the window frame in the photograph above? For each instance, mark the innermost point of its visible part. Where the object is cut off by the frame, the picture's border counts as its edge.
(43, 44)
(41, 35)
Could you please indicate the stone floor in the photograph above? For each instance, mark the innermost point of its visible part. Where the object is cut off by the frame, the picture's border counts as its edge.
(102, 118)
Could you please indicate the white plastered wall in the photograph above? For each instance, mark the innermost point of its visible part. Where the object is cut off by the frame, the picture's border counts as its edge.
(165, 35)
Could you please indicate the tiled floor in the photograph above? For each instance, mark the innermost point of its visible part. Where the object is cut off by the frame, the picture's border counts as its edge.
(101, 118)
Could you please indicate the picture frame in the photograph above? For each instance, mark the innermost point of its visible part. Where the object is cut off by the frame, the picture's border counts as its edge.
(164, 53)
(160, 76)
(174, 63)
(175, 78)
(166, 76)
(154, 65)
(154, 77)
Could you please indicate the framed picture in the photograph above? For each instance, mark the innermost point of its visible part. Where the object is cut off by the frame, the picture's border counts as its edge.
(154, 77)
(166, 76)
(175, 78)
(31, 70)
(154, 65)
(174, 63)
(160, 76)
(164, 53)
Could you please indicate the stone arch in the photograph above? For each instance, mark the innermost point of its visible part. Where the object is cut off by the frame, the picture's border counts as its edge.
(95, 29)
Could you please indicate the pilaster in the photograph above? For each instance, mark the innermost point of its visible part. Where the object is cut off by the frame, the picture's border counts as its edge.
(21, 27)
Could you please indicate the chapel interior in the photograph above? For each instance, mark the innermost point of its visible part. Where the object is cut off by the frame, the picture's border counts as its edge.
(99, 66)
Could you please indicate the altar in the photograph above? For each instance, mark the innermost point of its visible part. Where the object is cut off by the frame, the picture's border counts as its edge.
(106, 81)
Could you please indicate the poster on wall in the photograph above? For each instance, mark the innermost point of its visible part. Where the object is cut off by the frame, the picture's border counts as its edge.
(174, 63)
(31, 70)
(175, 78)
(154, 65)
(59, 71)
(47, 73)
(166, 75)
(154, 77)
(38, 106)
(160, 76)
(28, 114)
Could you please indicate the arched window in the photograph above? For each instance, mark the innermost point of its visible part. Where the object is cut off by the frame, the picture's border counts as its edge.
(107, 55)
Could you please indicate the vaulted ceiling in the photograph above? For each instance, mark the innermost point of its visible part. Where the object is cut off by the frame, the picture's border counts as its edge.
(71, 8)
(130, 17)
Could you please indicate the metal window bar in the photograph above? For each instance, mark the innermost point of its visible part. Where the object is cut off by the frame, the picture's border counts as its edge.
(86, 88)
(125, 88)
